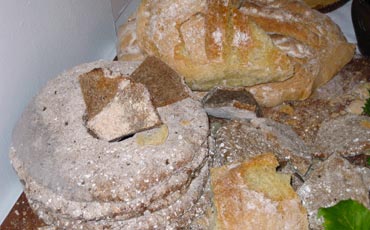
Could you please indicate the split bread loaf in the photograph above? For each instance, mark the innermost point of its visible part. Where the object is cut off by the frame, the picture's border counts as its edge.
(279, 49)
(313, 41)
(251, 195)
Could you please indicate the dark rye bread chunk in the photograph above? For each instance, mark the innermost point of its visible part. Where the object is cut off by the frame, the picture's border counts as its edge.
(347, 135)
(116, 107)
(97, 90)
(163, 83)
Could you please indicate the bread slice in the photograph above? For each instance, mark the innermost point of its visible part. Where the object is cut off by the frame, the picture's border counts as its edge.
(251, 195)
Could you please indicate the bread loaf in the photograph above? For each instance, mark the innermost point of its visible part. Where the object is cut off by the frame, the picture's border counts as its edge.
(251, 195)
(210, 43)
(312, 40)
(279, 49)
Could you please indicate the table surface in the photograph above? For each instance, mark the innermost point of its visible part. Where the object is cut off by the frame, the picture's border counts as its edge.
(21, 217)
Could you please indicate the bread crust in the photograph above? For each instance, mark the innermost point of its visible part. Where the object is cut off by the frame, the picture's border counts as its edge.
(251, 195)
(127, 47)
(210, 43)
(82, 178)
(290, 51)
(329, 50)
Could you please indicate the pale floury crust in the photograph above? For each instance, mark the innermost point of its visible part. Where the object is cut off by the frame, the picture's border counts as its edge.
(210, 43)
(291, 49)
(71, 177)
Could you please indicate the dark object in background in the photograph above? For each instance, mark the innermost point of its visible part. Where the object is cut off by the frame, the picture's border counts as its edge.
(361, 24)
(331, 7)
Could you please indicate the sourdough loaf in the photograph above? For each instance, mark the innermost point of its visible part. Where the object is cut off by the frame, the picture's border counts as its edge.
(210, 43)
(280, 50)
(312, 40)
(251, 195)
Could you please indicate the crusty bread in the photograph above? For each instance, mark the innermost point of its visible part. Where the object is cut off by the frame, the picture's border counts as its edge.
(311, 39)
(251, 195)
(280, 49)
(128, 48)
(210, 43)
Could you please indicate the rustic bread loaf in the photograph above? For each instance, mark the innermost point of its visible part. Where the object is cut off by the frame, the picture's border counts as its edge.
(210, 43)
(282, 50)
(313, 41)
(251, 195)
(72, 178)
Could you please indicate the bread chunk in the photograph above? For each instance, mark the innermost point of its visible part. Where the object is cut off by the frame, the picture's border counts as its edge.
(163, 83)
(116, 107)
(97, 90)
(251, 195)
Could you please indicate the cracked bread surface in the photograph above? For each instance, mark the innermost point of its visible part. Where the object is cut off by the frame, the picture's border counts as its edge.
(77, 176)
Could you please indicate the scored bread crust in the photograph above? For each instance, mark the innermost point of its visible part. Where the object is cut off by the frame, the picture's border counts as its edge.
(309, 29)
(210, 43)
(314, 46)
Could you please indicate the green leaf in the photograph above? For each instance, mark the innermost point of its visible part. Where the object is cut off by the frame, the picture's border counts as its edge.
(366, 108)
(346, 215)
(368, 160)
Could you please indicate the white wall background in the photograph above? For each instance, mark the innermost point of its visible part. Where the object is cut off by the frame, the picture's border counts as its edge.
(122, 10)
(342, 16)
(38, 40)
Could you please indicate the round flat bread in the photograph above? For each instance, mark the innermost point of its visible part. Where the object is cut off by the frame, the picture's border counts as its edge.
(72, 173)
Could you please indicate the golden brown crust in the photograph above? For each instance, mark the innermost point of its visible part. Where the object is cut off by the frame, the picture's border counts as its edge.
(236, 51)
(298, 87)
(252, 195)
(329, 50)
(233, 43)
